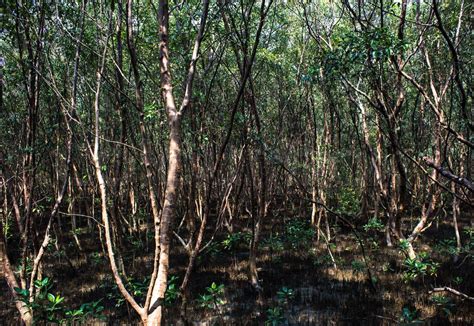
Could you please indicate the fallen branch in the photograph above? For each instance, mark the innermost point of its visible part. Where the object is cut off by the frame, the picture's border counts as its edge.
(453, 291)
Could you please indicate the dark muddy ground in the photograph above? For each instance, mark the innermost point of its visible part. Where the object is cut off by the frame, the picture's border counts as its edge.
(318, 293)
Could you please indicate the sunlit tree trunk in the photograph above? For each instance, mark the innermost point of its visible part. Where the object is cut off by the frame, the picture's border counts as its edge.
(174, 151)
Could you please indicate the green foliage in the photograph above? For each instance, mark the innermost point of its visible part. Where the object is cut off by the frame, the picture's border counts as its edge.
(6, 228)
(48, 308)
(387, 268)
(233, 240)
(137, 288)
(151, 112)
(213, 298)
(468, 248)
(349, 201)
(28, 266)
(410, 316)
(420, 266)
(325, 260)
(86, 311)
(404, 245)
(357, 266)
(172, 291)
(299, 234)
(469, 232)
(353, 50)
(447, 246)
(374, 224)
(136, 242)
(458, 280)
(275, 316)
(212, 250)
(95, 257)
(444, 304)
(285, 295)
(274, 243)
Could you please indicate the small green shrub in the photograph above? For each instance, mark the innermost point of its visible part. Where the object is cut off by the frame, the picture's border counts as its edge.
(48, 308)
(387, 268)
(233, 240)
(447, 247)
(373, 243)
(444, 304)
(273, 243)
(96, 258)
(299, 234)
(421, 266)
(213, 298)
(349, 201)
(137, 288)
(323, 260)
(172, 291)
(213, 250)
(458, 280)
(357, 266)
(45, 305)
(285, 295)
(404, 245)
(274, 316)
(86, 311)
(374, 224)
(410, 316)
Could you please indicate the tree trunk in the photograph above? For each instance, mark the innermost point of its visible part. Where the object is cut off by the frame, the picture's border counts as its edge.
(169, 208)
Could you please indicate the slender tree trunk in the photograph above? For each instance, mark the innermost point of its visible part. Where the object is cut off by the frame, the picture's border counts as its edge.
(26, 313)
(172, 181)
(174, 152)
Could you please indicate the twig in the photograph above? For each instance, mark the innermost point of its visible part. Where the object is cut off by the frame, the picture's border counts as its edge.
(453, 291)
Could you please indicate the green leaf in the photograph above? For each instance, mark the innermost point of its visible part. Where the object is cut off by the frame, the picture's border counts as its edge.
(51, 298)
(22, 292)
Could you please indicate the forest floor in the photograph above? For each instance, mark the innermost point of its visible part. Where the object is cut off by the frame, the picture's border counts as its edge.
(301, 283)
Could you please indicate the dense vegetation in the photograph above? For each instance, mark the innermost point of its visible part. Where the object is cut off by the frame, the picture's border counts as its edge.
(236, 162)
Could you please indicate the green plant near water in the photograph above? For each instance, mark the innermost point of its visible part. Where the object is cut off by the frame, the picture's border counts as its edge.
(213, 298)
